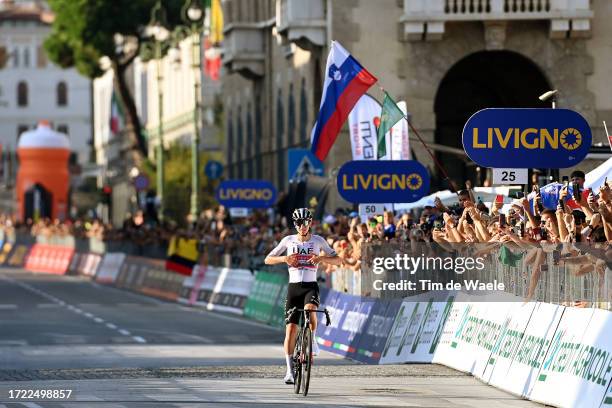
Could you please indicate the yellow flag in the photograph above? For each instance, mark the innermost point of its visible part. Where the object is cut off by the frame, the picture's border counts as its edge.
(216, 22)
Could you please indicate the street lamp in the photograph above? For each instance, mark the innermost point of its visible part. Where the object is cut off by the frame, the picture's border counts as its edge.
(159, 33)
(193, 15)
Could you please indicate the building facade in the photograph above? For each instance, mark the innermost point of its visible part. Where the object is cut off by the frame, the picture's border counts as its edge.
(446, 58)
(32, 88)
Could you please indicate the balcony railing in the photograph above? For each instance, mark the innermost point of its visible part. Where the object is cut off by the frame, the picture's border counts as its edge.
(301, 22)
(243, 49)
(424, 19)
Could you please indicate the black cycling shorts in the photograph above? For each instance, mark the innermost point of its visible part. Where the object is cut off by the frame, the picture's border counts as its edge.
(300, 294)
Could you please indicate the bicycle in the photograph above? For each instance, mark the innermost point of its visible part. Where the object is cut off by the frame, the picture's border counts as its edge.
(302, 354)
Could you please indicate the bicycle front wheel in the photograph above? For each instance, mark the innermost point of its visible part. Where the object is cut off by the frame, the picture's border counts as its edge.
(297, 365)
(307, 364)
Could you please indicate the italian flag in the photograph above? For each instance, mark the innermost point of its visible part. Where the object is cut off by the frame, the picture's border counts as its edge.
(117, 117)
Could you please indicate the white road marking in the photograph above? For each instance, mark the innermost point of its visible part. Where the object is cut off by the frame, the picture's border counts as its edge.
(68, 306)
(48, 305)
(13, 343)
(243, 321)
(30, 405)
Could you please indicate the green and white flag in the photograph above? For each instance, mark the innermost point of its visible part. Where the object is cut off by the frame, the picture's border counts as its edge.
(389, 116)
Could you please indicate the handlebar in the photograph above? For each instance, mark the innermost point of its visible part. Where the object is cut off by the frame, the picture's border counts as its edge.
(325, 311)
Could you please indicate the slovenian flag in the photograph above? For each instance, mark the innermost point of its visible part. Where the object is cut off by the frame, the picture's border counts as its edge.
(346, 80)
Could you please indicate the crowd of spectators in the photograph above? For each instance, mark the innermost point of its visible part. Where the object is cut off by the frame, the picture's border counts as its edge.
(527, 227)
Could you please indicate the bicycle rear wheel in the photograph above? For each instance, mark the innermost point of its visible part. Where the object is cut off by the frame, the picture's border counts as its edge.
(307, 364)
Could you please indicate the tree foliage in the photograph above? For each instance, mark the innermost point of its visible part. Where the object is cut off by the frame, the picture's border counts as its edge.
(177, 191)
(84, 31)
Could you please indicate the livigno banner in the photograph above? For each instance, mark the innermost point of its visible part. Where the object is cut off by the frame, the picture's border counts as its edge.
(524, 138)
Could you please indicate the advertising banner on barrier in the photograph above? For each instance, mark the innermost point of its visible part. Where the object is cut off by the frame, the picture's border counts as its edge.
(325, 335)
(338, 336)
(73, 268)
(6, 250)
(18, 255)
(49, 259)
(132, 273)
(373, 337)
(231, 290)
(518, 138)
(277, 315)
(355, 316)
(578, 366)
(421, 337)
(88, 264)
(264, 293)
(403, 319)
(517, 357)
(479, 328)
(109, 267)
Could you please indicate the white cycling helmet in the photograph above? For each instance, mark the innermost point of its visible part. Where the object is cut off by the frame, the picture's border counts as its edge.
(301, 214)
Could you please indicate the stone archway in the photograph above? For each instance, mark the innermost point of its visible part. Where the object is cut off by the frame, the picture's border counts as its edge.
(485, 79)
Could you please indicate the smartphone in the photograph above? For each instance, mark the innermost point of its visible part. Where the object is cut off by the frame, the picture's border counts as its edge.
(499, 199)
(543, 234)
(502, 220)
(565, 180)
(576, 192)
(544, 268)
(468, 218)
(562, 204)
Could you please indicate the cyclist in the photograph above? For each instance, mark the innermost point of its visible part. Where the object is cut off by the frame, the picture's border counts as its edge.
(304, 251)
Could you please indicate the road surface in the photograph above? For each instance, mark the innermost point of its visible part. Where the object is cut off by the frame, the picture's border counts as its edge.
(113, 348)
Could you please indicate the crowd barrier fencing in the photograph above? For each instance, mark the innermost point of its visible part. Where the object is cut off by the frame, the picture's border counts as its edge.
(17, 256)
(222, 289)
(109, 267)
(148, 276)
(266, 299)
(550, 353)
(49, 259)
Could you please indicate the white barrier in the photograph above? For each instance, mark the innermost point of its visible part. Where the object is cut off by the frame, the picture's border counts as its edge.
(109, 267)
(222, 289)
(416, 329)
(578, 365)
(88, 264)
(515, 364)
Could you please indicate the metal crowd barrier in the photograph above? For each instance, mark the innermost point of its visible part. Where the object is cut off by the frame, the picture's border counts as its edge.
(556, 282)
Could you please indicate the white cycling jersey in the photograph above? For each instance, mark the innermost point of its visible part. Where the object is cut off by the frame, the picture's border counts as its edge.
(305, 271)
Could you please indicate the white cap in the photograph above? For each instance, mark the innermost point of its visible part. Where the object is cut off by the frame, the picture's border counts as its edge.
(43, 137)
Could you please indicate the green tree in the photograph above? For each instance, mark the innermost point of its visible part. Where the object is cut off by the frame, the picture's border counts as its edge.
(177, 191)
(84, 31)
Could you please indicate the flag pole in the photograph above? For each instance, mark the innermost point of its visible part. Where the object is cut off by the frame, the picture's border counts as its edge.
(433, 157)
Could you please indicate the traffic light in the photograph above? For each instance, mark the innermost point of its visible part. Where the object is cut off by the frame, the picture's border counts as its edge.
(107, 194)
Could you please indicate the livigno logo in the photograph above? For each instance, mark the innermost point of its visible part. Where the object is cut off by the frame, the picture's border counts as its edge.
(518, 138)
(246, 194)
(395, 181)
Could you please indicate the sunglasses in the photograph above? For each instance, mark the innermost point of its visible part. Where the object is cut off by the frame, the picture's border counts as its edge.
(299, 223)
